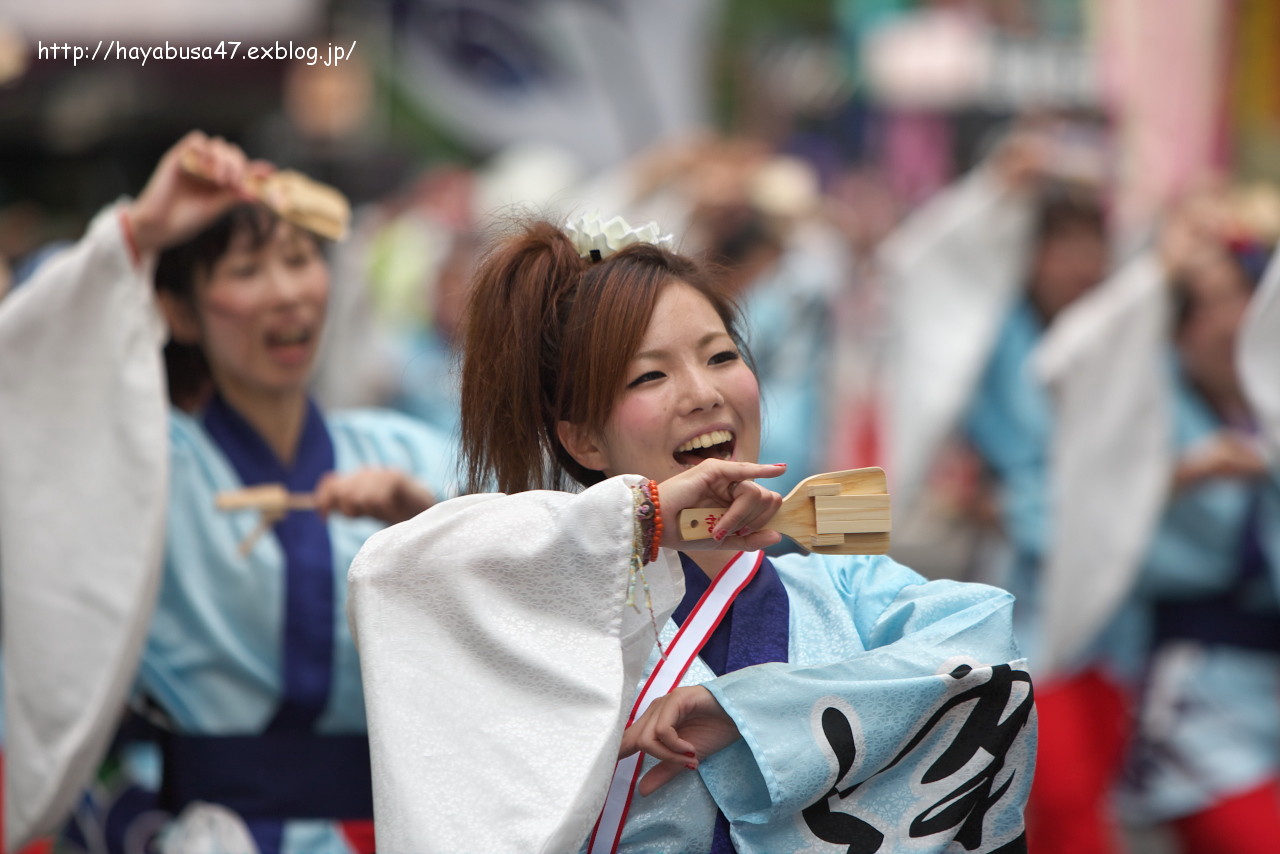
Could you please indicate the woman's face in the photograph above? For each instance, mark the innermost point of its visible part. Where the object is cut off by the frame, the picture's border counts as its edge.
(1219, 294)
(688, 396)
(260, 312)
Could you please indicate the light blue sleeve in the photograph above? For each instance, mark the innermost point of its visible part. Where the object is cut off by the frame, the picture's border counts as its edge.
(382, 437)
(913, 649)
(787, 317)
(1009, 422)
(1195, 549)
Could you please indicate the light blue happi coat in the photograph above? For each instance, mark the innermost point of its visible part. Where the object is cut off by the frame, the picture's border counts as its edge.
(901, 721)
(1010, 423)
(215, 656)
(1208, 720)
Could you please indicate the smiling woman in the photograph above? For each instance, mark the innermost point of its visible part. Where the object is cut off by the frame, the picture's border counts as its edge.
(247, 693)
(219, 292)
(600, 337)
(786, 703)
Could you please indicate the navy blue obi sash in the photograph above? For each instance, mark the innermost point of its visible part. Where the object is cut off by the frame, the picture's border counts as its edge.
(271, 776)
(1245, 616)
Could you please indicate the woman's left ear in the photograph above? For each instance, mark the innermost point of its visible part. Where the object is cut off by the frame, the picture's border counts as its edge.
(181, 317)
(581, 445)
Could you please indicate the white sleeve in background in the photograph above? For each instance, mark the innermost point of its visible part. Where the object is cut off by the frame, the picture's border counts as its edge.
(500, 661)
(1259, 357)
(1111, 458)
(951, 271)
(83, 478)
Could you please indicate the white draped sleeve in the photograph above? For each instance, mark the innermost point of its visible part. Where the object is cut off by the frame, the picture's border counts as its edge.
(500, 661)
(1259, 357)
(951, 272)
(1112, 457)
(83, 477)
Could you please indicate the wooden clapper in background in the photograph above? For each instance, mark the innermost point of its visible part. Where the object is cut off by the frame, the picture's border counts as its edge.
(272, 500)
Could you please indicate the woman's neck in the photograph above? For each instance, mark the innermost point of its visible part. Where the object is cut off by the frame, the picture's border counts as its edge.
(1226, 398)
(277, 418)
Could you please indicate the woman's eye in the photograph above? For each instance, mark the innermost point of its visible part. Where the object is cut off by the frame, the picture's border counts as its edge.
(725, 356)
(244, 271)
(644, 378)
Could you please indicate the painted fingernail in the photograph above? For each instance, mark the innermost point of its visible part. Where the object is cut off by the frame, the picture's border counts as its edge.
(719, 536)
(691, 766)
(742, 532)
(691, 755)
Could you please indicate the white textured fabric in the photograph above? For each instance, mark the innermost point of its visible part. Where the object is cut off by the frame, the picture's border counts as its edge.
(951, 273)
(83, 473)
(1111, 460)
(205, 828)
(1259, 357)
(477, 602)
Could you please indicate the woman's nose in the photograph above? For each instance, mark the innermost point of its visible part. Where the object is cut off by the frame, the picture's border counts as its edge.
(701, 391)
(285, 284)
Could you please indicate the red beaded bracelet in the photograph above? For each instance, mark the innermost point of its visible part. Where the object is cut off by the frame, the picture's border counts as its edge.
(656, 541)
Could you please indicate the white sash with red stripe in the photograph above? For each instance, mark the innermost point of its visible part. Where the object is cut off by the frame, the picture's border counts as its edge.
(684, 648)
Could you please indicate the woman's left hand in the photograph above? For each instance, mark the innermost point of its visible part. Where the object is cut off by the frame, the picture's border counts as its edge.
(678, 730)
(384, 493)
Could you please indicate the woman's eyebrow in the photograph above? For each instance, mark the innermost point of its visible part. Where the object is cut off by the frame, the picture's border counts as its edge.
(702, 342)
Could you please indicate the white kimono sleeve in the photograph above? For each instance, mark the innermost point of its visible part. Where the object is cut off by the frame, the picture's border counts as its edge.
(1111, 459)
(1259, 357)
(500, 661)
(83, 477)
(951, 272)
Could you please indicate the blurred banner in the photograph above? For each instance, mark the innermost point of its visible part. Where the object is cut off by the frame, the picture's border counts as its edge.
(175, 20)
(601, 79)
(946, 58)
(1165, 71)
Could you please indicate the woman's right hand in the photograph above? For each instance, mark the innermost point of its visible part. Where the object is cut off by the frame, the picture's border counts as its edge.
(176, 204)
(1226, 454)
(722, 483)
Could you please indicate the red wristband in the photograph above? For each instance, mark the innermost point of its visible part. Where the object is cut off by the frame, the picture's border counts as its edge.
(656, 542)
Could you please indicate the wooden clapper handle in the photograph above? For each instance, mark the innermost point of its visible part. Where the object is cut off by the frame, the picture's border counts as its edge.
(267, 498)
(294, 197)
(272, 500)
(840, 512)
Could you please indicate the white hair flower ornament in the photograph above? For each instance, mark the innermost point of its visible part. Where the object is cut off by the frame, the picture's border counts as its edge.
(597, 240)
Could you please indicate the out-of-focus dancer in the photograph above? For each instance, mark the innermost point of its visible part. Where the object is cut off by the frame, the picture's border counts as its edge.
(973, 280)
(116, 560)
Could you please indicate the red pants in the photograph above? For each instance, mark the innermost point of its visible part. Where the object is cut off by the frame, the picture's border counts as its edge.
(1083, 723)
(1246, 823)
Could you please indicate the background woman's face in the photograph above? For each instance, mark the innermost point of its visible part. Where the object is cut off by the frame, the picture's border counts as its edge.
(260, 312)
(1219, 296)
(688, 395)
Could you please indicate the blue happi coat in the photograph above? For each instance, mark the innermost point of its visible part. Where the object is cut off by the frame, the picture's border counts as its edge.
(249, 663)
(878, 712)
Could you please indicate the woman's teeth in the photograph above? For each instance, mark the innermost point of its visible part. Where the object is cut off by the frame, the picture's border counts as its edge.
(706, 440)
(285, 339)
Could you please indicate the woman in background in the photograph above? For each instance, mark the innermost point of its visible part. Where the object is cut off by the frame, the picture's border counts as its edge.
(249, 732)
